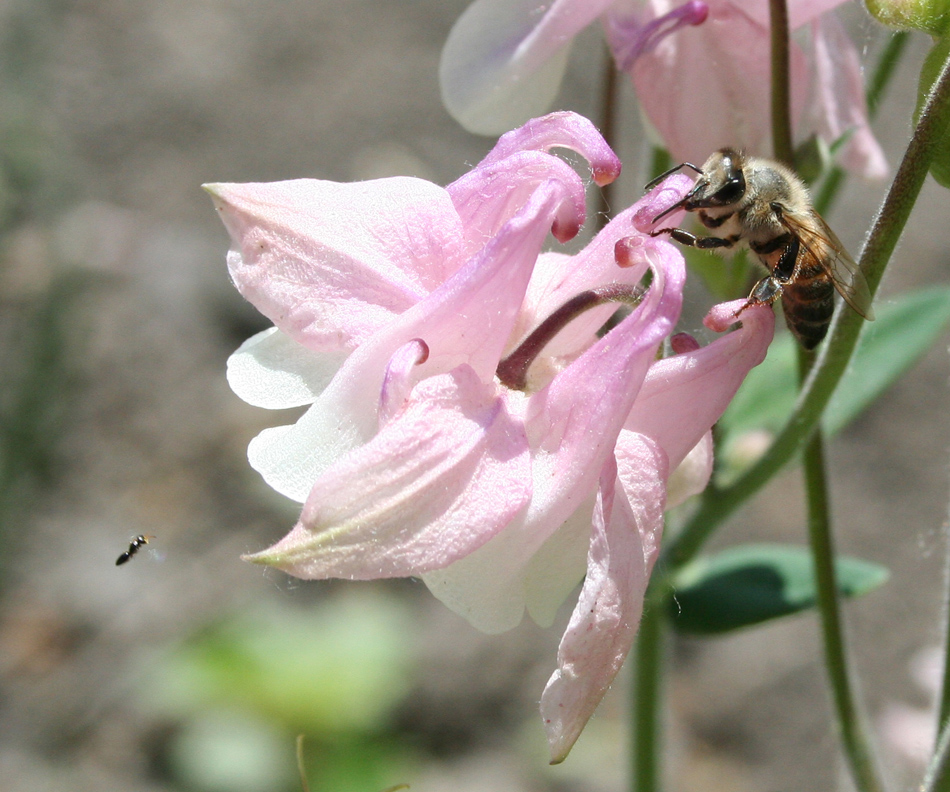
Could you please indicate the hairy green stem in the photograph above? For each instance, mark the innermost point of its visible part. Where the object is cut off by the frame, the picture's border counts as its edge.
(647, 693)
(825, 375)
(821, 541)
(943, 716)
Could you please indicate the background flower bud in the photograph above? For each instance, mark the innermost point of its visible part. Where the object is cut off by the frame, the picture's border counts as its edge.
(931, 16)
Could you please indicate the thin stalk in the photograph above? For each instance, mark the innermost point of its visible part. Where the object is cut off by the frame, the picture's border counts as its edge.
(647, 694)
(944, 711)
(821, 541)
(782, 147)
(831, 364)
(820, 534)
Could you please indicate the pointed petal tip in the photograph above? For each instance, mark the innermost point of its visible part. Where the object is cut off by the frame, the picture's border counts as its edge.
(262, 557)
(215, 189)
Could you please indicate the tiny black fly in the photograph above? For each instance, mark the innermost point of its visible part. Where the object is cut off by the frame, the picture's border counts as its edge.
(134, 546)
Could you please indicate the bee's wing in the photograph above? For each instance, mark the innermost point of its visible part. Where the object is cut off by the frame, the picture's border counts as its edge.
(823, 245)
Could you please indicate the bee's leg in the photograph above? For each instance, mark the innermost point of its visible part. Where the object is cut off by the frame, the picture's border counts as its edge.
(787, 266)
(686, 238)
(770, 288)
(765, 292)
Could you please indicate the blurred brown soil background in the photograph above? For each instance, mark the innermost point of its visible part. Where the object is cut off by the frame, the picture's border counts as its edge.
(117, 318)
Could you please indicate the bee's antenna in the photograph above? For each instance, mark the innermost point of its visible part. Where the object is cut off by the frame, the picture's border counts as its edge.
(670, 172)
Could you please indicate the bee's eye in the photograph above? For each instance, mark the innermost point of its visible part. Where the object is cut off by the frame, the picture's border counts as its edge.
(732, 190)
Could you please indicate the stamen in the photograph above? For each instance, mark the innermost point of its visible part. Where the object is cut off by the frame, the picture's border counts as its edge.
(513, 370)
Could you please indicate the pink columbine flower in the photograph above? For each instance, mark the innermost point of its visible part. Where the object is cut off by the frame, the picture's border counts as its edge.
(443, 440)
(702, 89)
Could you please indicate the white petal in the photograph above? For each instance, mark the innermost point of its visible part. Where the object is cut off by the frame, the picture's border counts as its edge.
(290, 458)
(271, 370)
(556, 569)
(485, 587)
(504, 59)
(692, 474)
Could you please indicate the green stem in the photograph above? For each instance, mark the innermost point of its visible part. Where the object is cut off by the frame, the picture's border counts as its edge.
(944, 711)
(824, 377)
(782, 147)
(647, 693)
(821, 540)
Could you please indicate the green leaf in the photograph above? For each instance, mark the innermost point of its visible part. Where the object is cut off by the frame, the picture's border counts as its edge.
(889, 346)
(904, 330)
(752, 584)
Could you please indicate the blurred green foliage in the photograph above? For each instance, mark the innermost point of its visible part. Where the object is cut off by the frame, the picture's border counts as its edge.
(244, 688)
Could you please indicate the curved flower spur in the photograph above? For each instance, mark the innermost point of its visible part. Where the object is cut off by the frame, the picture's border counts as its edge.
(394, 303)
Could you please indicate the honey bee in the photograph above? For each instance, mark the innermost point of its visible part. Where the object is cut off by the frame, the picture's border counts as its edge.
(763, 204)
(134, 545)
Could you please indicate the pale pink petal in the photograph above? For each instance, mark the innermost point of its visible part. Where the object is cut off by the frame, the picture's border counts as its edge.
(398, 380)
(331, 263)
(448, 472)
(684, 395)
(836, 104)
(273, 371)
(572, 426)
(623, 548)
(558, 278)
(632, 31)
(466, 320)
(504, 59)
(573, 422)
(488, 197)
(517, 165)
(562, 129)
(703, 88)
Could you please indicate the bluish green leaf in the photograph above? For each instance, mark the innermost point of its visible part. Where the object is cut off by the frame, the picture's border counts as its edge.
(889, 346)
(752, 584)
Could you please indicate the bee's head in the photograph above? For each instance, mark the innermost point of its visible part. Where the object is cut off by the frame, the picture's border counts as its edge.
(721, 183)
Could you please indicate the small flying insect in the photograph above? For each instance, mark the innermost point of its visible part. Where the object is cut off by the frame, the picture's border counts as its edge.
(134, 545)
(763, 204)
